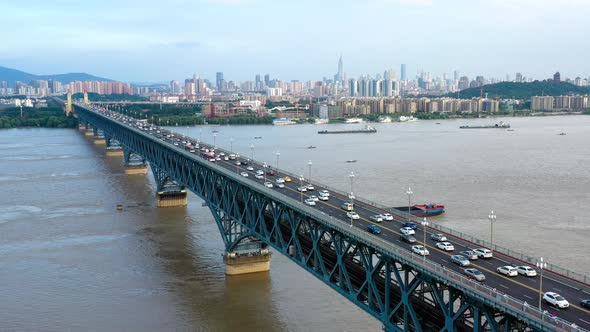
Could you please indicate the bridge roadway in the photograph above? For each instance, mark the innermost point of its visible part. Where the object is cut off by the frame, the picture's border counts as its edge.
(520, 287)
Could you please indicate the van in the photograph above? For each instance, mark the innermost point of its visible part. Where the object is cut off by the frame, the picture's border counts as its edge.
(347, 206)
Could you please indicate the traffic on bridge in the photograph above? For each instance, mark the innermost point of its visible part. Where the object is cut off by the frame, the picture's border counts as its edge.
(557, 297)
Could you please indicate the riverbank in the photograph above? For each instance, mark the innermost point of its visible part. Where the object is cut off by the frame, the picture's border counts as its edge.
(50, 117)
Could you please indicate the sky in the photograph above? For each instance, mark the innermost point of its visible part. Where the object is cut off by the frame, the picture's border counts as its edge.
(157, 41)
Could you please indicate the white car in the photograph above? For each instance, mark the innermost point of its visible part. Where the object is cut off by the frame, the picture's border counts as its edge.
(259, 176)
(420, 250)
(555, 300)
(387, 216)
(324, 193)
(353, 215)
(259, 172)
(483, 253)
(244, 174)
(376, 218)
(302, 189)
(314, 198)
(310, 186)
(507, 270)
(310, 202)
(407, 231)
(323, 197)
(280, 185)
(250, 168)
(526, 271)
(280, 180)
(268, 184)
(446, 246)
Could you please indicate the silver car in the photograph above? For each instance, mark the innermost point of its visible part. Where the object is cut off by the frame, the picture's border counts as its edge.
(472, 256)
(475, 274)
(460, 259)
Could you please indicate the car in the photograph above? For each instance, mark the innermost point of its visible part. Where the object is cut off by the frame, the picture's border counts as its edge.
(310, 186)
(460, 259)
(280, 185)
(483, 253)
(475, 274)
(287, 179)
(353, 215)
(268, 184)
(585, 303)
(270, 172)
(376, 218)
(526, 271)
(387, 216)
(245, 162)
(310, 202)
(250, 168)
(438, 237)
(324, 193)
(374, 229)
(280, 180)
(420, 250)
(302, 188)
(507, 270)
(407, 230)
(347, 206)
(259, 176)
(324, 198)
(470, 255)
(446, 246)
(314, 197)
(407, 238)
(244, 174)
(555, 300)
(411, 225)
(238, 163)
(259, 172)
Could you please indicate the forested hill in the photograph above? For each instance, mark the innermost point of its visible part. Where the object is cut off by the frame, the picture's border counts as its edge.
(507, 90)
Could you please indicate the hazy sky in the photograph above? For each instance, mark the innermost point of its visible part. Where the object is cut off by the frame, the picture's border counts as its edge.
(148, 40)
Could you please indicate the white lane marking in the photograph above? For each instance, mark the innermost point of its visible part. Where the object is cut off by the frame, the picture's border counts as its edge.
(528, 297)
(585, 321)
(489, 263)
(504, 286)
(557, 289)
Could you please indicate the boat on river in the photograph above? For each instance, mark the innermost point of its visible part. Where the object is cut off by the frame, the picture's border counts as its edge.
(499, 125)
(367, 130)
(423, 210)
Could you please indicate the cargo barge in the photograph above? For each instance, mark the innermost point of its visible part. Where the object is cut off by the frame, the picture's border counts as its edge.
(423, 210)
(366, 130)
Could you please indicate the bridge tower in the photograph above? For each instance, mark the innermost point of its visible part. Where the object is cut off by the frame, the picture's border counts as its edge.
(69, 108)
(86, 102)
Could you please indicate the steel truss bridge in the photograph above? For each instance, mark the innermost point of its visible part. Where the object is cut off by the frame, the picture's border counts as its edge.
(402, 290)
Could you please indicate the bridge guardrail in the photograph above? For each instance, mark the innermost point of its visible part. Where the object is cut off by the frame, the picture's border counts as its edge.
(445, 275)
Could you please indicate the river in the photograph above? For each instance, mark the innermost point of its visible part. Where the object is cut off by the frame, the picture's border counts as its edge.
(70, 261)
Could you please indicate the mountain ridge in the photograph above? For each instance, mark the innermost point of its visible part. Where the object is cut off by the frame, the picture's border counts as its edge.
(12, 75)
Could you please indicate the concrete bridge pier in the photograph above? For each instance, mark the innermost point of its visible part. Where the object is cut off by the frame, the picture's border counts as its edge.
(172, 198)
(113, 148)
(134, 163)
(82, 127)
(89, 132)
(248, 258)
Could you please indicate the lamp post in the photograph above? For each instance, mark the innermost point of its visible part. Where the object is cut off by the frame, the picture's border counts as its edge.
(200, 134)
(264, 166)
(278, 155)
(252, 151)
(301, 186)
(424, 225)
(492, 218)
(351, 176)
(541, 265)
(231, 145)
(309, 163)
(237, 161)
(214, 144)
(409, 192)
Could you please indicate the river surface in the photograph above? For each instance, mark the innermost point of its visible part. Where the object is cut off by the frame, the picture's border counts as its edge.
(70, 261)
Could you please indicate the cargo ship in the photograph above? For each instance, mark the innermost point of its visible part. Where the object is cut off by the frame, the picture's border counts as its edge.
(500, 125)
(366, 130)
(423, 210)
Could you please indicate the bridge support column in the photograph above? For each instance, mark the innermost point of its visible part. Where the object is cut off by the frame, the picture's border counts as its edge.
(236, 264)
(114, 148)
(134, 163)
(82, 127)
(172, 198)
(89, 132)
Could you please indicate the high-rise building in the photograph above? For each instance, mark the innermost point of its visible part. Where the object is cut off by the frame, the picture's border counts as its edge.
(353, 88)
(456, 75)
(266, 79)
(557, 77)
(518, 78)
(339, 77)
(218, 80)
(403, 72)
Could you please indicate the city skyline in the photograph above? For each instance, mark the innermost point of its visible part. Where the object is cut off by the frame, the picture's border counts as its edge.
(142, 41)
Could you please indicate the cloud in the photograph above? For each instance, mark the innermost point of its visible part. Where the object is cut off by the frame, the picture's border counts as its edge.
(186, 44)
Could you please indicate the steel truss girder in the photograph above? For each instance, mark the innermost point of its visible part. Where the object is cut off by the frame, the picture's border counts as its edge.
(387, 287)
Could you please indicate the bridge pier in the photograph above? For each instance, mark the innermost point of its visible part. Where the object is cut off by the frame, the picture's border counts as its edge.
(136, 169)
(89, 132)
(115, 152)
(236, 264)
(172, 198)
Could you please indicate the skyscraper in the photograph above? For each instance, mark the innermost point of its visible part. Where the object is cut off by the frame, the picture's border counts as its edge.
(403, 72)
(557, 77)
(218, 80)
(339, 77)
(266, 79)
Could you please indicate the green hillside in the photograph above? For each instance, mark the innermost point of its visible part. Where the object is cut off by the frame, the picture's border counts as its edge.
(505, 90)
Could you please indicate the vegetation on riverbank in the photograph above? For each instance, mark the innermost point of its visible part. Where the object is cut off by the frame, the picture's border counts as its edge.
(521, 91)
(50, 117)
(112, 97)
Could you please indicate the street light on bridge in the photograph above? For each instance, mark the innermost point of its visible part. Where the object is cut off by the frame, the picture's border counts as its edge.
(231, 145)
(301, 186)
(541, 265)
(424, 225)
(252, 151)
(237, 163)
(309, 163)
(409, 192)
(351, 176)
(492, 218)
(265, 166)
(278, 155)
